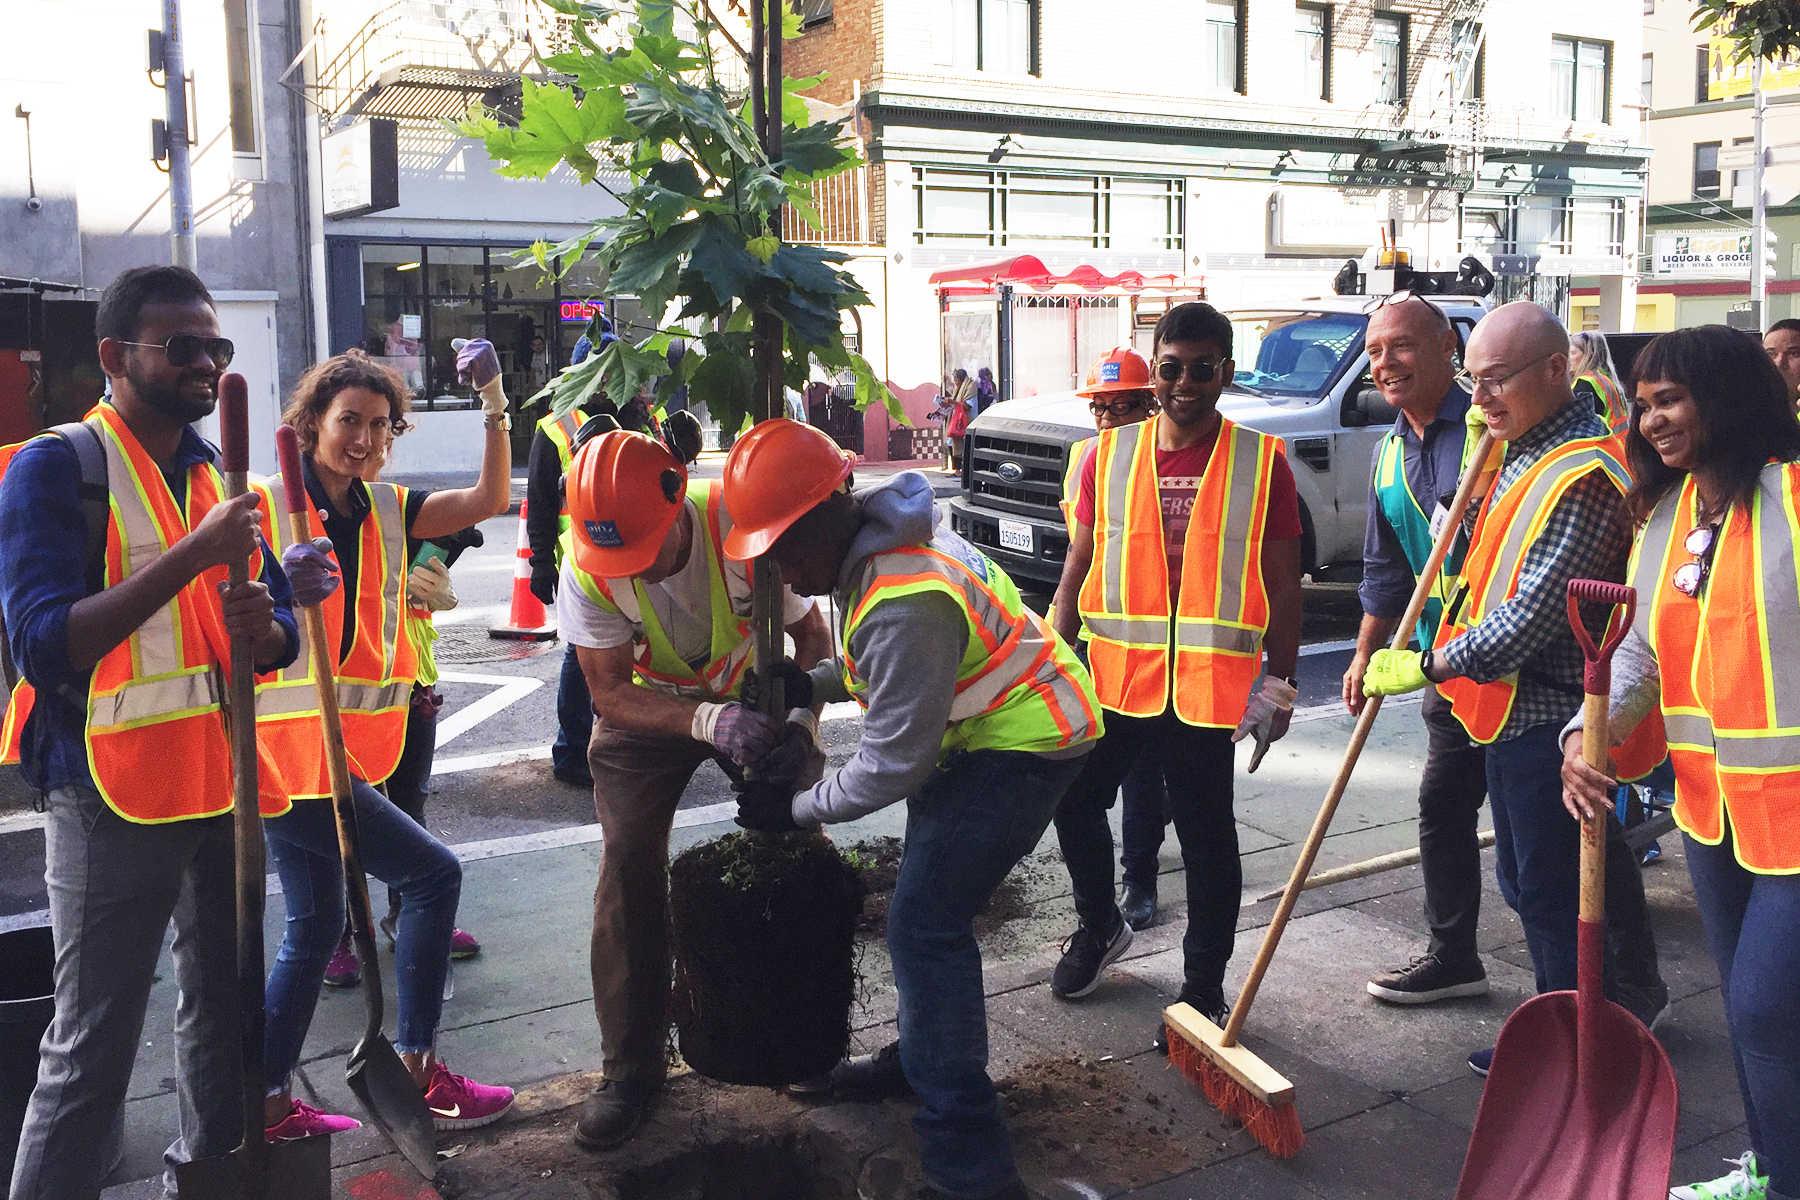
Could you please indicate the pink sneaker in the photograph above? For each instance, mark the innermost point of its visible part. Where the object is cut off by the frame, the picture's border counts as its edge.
(463, 944)
(303, 1121)
(343, 970)
(457, 1102)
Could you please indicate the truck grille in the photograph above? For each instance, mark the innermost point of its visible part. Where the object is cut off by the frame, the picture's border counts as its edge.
(1038, 490)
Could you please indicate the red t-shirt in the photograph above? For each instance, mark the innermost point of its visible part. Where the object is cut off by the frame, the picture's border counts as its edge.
(1178, 475)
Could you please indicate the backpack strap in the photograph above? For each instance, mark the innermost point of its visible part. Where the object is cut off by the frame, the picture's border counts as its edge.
(96, 498)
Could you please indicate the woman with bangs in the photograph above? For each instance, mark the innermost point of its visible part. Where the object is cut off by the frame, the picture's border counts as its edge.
(1714, 449)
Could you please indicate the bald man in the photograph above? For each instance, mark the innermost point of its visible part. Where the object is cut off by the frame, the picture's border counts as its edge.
(1782, 345)
(1412, 358)
(1504, 655)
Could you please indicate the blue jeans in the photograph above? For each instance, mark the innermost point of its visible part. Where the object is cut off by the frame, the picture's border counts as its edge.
(397, 851)
(1537, 845)
(1146, 811)
(574, 720)
(968, 824)
(1753, 925)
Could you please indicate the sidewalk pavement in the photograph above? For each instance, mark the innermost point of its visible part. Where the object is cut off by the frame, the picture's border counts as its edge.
(1384, 1092)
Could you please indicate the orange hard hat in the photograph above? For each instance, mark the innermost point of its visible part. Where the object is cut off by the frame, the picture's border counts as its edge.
(777, 472)
(1120, 369)
(623, 492)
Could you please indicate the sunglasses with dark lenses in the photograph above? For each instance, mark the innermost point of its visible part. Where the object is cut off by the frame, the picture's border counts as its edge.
(184, 348)
(1117, 408)
(1690, 577)
(1169, 370)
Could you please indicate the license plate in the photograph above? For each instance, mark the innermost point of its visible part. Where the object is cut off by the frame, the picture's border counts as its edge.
(1015, 535)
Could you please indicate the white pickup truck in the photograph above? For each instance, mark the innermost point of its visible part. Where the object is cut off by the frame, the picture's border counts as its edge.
(1302, 374)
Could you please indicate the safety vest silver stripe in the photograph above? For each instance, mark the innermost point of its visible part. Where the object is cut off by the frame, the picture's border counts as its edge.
(1192, 634)
(1138, 631)
(1118, 496)
(1688, 729)
(154, 645)
(384, 506)
(287, 697)
(144, 699)
(1647, 562)
(1778, 533)
(1234, 528)
(1758, 751)
(372, 697)
(1001, 676)
(1499, 584)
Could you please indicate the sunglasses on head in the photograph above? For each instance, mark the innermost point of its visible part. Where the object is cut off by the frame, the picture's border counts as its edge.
(1200, 371)
(184, 348)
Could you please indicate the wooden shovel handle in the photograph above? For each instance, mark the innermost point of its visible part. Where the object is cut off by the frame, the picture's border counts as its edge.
(1475, 477)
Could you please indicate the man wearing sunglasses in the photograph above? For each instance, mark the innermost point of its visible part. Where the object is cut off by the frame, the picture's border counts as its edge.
(131, 757)
(1506, 659)
(1185, 568)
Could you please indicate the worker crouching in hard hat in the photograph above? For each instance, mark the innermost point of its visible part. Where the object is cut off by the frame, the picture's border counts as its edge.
(977, 715)
(661, 625)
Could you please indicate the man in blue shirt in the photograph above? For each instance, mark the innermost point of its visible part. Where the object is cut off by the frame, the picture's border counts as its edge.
(1412, 357)
(114, 880)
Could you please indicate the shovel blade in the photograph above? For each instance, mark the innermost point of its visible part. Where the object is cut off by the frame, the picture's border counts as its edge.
(297, 1170)
(1545, 1133)
(393, 1101)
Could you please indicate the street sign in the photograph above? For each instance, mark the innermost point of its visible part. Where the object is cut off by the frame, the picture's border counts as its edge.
(1738, 158)
(1726, 80)
(1702, 253)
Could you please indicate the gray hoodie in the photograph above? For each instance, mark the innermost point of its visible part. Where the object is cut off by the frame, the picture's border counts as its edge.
(908, 649)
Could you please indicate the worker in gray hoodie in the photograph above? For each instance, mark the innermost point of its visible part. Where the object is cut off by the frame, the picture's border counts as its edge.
(976, 714)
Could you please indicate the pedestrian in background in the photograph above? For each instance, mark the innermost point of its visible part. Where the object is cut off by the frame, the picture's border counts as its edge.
(1507, 660)
(1417, 467)
(1715, 463)
(1168, 509)
(1782, 344)
(1594, 378)
(987, 392)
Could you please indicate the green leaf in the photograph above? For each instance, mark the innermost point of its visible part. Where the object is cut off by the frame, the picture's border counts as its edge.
(816, 151)
(816, 320)
(763, 248)
(725, 379)
(723, 264)
(870, 388)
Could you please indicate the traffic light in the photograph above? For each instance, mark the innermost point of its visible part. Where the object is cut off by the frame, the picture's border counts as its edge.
(1771, 254)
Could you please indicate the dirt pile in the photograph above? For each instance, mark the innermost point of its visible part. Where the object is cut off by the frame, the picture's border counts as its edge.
(1078, 1117)
(877, 864)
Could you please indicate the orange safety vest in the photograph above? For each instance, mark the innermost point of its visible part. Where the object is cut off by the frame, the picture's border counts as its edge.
(1728, 719)
(374, 680)
(1222, 609)
(1504, 533)
(157, 738)
(1616, 411)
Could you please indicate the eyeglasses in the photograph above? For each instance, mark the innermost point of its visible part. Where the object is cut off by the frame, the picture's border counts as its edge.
(184, 348)
(1117, 408)
(1200, 371)
(1400, 297)
(1496, 384)
(1690, 577)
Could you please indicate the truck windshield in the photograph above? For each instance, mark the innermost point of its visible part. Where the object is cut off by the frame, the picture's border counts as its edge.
(1292, 353)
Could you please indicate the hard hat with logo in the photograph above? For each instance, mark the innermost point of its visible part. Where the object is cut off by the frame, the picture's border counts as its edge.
(1120, 369)
(624, 490)
(776, 472)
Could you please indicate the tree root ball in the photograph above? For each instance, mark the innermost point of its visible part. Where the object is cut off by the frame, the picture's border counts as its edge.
(765, 956)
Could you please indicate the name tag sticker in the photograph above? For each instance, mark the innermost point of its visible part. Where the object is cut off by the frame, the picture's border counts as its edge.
(1439, 517)
(604, 534)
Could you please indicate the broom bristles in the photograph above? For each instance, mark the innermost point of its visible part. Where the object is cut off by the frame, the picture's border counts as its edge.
(1276, 1126)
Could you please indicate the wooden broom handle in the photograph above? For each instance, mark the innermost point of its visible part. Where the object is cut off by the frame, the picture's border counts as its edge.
(1474, 479)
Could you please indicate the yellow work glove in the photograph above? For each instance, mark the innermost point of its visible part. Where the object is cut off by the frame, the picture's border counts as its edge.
(1476, 419)
(1394, 673)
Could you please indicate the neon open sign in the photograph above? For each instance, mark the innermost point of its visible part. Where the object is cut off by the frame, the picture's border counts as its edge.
(581, 310)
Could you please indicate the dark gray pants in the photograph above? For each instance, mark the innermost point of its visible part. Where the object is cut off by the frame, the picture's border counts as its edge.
(114, 886)
(1451, 790)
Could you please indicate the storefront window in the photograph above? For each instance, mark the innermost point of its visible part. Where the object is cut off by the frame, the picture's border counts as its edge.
(394, 310)
(960, 208)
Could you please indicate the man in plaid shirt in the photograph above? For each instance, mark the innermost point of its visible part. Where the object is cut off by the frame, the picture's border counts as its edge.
(1517, 372)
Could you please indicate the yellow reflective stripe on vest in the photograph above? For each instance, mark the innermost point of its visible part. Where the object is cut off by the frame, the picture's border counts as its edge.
(1112, 506)
(1235, 566)
(155, 644)
(386, 509)
(1532, 515)
(1778, 541)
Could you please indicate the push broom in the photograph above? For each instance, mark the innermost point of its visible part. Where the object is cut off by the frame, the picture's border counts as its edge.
(1237, 1082)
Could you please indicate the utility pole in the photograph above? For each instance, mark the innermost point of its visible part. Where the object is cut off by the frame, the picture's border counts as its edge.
(1759, 274)
(181, 188)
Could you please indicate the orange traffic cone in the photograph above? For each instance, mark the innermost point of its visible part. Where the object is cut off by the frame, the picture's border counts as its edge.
(527, 622)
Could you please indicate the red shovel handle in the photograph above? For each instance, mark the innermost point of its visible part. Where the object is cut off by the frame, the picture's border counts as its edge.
(1597, 678)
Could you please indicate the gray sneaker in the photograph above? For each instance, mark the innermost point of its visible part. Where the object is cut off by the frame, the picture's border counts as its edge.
(1428, 979)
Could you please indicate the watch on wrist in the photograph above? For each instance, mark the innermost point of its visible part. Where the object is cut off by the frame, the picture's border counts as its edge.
(497, 421)
(1426, 662)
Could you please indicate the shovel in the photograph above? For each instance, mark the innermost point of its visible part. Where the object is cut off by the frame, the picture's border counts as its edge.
(374, 1071)
(1580, 1103)
(256, 1170)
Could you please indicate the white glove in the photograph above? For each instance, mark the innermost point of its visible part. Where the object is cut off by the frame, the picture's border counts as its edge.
(429, 585)
(1271, 707)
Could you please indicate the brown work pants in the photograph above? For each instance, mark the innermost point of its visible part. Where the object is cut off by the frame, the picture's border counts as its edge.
(638, 781)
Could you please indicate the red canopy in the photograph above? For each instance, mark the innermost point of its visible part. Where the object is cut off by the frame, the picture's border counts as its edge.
(1027, 270)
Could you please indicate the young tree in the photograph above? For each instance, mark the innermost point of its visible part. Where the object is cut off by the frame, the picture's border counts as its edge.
(649, 122)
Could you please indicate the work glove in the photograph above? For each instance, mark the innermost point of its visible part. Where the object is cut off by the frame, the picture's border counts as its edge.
(543, 584)
(800, 759)
(741, 734)
(429, 585)
(310, 571)
(478, 365)
(1475, 419)
(765, 806)
(1271, 708)
(796, 685)
(1394, 673)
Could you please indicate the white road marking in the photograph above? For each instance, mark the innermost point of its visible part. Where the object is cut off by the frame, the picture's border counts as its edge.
(493, 758)
(1327, 647)
(21, 823)
(509, 690)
